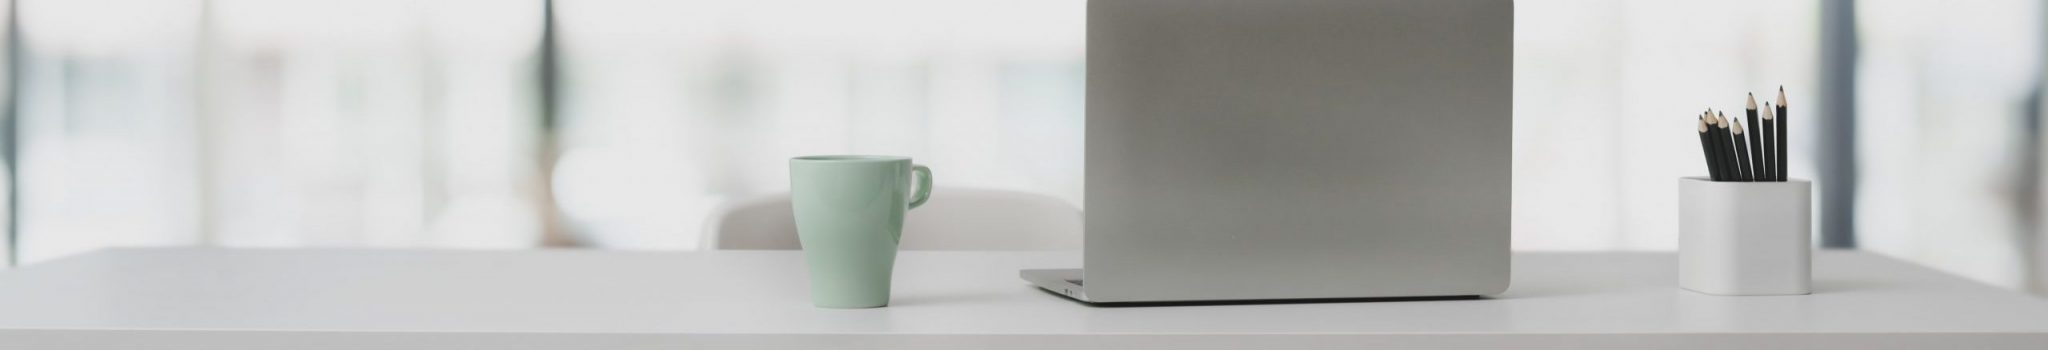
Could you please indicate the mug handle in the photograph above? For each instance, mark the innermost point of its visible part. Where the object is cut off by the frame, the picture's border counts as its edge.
(924, 185)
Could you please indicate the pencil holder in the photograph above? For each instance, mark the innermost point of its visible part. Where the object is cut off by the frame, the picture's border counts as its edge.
(1745, 238)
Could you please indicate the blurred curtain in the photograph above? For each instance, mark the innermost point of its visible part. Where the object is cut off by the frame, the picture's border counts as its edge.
(9, 46)
(1606, 92)
(277, 123)
(104, 123)
(418, 123)
(1948, 135)
(415, 123)
(426, 123)
(671, 108)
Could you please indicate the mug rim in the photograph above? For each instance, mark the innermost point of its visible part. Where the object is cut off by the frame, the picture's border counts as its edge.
(848, 158)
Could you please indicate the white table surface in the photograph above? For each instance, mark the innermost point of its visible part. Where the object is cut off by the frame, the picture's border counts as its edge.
(203, 298)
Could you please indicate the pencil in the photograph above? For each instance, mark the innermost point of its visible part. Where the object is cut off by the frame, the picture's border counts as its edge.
(1770, 139)
(1714, 144)
(1707, 150)
(1721, 172)
(1742, 153)
(1737, 171)
(1722, 151)
(1713, 148)
(1782, 131)
(1759, 168)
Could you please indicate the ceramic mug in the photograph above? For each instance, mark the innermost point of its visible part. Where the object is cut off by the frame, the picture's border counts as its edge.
(849, 217)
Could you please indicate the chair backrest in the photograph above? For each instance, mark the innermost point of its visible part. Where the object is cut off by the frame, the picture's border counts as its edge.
(954, 219)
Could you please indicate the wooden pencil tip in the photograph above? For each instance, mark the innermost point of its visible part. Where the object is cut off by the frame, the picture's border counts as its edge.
(1751, 104)
(1736, 125)
(1781, 96)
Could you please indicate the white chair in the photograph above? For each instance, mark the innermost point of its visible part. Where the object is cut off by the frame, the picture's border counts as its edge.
(954, 219)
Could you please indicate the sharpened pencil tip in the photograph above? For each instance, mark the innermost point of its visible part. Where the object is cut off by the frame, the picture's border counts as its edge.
(1767, 112)
(1781, 96)
(1703, 125)
(1735, 125)
(1751, 104)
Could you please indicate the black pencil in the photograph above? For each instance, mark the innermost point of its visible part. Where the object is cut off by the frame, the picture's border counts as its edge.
(1735, 168)
(1742, 155)
(1723, 152)
(1721, 171)
(1720, 147)
(1714, 146)
(1770, 143)
(1782, 131)
(1771, 128)
(1707, 150)
(1759, 168)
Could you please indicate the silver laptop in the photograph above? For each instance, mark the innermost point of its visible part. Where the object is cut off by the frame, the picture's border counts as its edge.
(1295, 149)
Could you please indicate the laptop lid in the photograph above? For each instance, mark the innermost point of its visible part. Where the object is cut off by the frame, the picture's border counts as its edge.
(1282, 149)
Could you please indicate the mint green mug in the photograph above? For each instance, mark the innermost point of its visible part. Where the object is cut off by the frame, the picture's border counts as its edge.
(849, 217)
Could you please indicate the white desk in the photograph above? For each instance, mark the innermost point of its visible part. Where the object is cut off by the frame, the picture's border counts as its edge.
(408, 299)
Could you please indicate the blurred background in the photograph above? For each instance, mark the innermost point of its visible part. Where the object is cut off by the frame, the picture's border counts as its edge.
(622, 124)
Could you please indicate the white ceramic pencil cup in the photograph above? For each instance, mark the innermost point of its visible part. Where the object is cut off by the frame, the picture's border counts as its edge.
(1745, 238)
